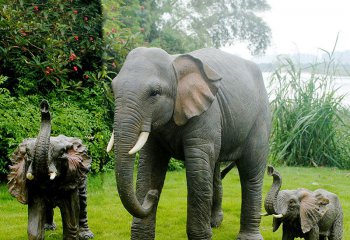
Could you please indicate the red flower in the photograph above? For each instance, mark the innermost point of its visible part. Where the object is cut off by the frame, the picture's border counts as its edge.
(23, 32)
(91, 38)
(86, 18)
(75, 12)
(76, 38)
(49, 70)
(36, 8)
(72, 57)
(75, 68)
(86, 76)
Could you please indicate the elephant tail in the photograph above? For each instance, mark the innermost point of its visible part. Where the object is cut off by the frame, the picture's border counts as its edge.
(227, 169)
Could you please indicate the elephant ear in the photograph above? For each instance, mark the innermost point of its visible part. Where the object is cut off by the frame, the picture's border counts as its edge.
(79, 162)
(197, 85)
(312, 209)
(17, 181)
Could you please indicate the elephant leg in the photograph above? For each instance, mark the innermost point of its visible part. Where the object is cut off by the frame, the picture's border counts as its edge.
(199, 174)
(313, 234)
(251, 168)
(36, 217)
(49, 223)
(69, 207)
(337, 228)
(287, 235)
(152, 169)
(217, 214)
(84, 230)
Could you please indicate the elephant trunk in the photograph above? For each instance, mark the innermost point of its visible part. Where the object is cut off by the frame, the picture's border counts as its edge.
(126, 143)
(42, 144)
(271, 198)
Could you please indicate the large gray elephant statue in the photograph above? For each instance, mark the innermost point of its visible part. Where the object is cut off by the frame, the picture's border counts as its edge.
(310, 215)
(203, 107)
(49, 172)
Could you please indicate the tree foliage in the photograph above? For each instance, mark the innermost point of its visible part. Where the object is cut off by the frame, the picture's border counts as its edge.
(184, 25)
(50, 44)
(67, 52)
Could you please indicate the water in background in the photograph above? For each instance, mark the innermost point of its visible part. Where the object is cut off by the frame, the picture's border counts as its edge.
(341, 83)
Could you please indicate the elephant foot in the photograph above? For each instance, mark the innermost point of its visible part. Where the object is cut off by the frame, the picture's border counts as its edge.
(216, 219)
(249, 236)
(50, 226)
(85, 233)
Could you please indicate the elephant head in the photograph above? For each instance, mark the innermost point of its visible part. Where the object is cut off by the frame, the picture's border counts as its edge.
(299, 207)
(151, 90)
(47, 161)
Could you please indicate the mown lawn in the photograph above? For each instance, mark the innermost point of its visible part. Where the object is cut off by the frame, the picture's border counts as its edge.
(109, 220)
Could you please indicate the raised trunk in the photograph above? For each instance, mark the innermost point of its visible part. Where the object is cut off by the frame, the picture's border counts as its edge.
(41, 148)
(271, 198)
(125, 137)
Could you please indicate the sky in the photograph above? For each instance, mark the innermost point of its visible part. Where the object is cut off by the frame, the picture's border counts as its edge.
(304, 26)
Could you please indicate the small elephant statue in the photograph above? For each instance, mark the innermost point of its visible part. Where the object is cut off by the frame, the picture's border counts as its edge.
(49, 172)
(312, 215)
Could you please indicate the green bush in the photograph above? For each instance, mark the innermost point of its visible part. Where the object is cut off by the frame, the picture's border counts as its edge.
(308, 126)
(56, 50)
(71, 116)
(175, 165)
(50, 44)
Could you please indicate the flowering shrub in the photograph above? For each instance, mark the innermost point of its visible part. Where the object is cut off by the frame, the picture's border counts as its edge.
(50, 45)
(56, 49)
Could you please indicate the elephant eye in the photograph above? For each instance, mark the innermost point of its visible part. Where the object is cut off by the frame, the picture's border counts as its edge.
(155, 92)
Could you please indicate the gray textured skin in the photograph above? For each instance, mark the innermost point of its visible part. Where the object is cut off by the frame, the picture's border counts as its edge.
(323, 208)
(232, 125)
(67, 156)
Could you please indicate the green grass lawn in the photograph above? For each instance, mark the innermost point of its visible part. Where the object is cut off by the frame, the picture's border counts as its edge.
(109, 220)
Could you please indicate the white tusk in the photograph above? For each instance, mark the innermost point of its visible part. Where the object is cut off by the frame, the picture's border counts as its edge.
(110, 143)
(278, 216)
(52, 175)
(140, 142)
(30, 176)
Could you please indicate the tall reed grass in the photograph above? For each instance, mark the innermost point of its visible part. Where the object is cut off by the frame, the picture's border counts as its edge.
(310, 126)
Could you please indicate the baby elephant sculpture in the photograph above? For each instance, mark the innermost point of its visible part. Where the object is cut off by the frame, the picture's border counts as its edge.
(48, 172)
(310, 215)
